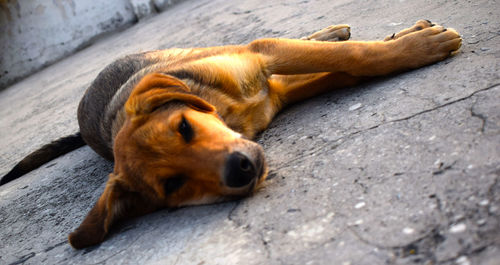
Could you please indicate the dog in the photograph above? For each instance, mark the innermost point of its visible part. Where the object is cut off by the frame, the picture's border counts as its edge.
(178, 123)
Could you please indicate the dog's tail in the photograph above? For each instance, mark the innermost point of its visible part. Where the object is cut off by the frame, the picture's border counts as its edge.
(43, 155)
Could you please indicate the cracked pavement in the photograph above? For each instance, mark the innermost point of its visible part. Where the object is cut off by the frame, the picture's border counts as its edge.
(401, 170)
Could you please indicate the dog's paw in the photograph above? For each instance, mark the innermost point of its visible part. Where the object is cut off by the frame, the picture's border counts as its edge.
(331, 33)
(427, 45)
(419, 25)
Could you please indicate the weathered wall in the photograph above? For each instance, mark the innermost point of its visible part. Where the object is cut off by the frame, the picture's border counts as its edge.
(35, 33)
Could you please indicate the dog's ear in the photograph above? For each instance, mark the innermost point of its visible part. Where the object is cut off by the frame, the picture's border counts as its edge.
(117, 201)
(155, 90)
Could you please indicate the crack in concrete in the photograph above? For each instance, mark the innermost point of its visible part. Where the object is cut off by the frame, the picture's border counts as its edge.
(55, 246)
(24, 258)
(317, 150)
(229, 215)
(438, 107)
(337, 142)
(236, 223)
(479, 116)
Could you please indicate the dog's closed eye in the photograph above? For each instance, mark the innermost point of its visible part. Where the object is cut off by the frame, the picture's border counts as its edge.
(186, 130)
(173, 184)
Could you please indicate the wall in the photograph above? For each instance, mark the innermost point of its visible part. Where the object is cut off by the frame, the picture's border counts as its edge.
(36, 33)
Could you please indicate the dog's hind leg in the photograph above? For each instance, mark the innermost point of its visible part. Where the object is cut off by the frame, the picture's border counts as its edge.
(295, 88)
(331, 33)
(419, 25)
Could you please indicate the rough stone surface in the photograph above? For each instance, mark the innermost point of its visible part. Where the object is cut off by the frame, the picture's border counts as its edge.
(401, 170)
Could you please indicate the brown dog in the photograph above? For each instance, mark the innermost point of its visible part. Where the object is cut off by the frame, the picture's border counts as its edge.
(178, 122)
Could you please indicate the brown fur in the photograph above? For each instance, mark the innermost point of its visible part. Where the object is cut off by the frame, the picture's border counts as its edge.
(178, 122)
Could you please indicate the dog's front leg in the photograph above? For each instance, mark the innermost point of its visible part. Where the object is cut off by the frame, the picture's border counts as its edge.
(358, 58)
(294, 88)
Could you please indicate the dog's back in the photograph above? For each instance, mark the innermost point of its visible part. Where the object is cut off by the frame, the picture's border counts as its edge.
(94, 125)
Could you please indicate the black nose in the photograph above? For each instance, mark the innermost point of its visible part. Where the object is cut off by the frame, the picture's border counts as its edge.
(240, 170)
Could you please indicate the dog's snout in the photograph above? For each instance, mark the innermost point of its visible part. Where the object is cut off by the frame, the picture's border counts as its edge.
(240, 170)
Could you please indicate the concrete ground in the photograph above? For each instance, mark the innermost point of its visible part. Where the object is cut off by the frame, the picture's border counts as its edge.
(401, 170)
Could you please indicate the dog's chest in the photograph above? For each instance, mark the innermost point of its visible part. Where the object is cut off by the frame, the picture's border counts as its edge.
(236, 84)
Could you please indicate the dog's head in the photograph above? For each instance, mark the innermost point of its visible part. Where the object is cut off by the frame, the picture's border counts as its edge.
(173, 150)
